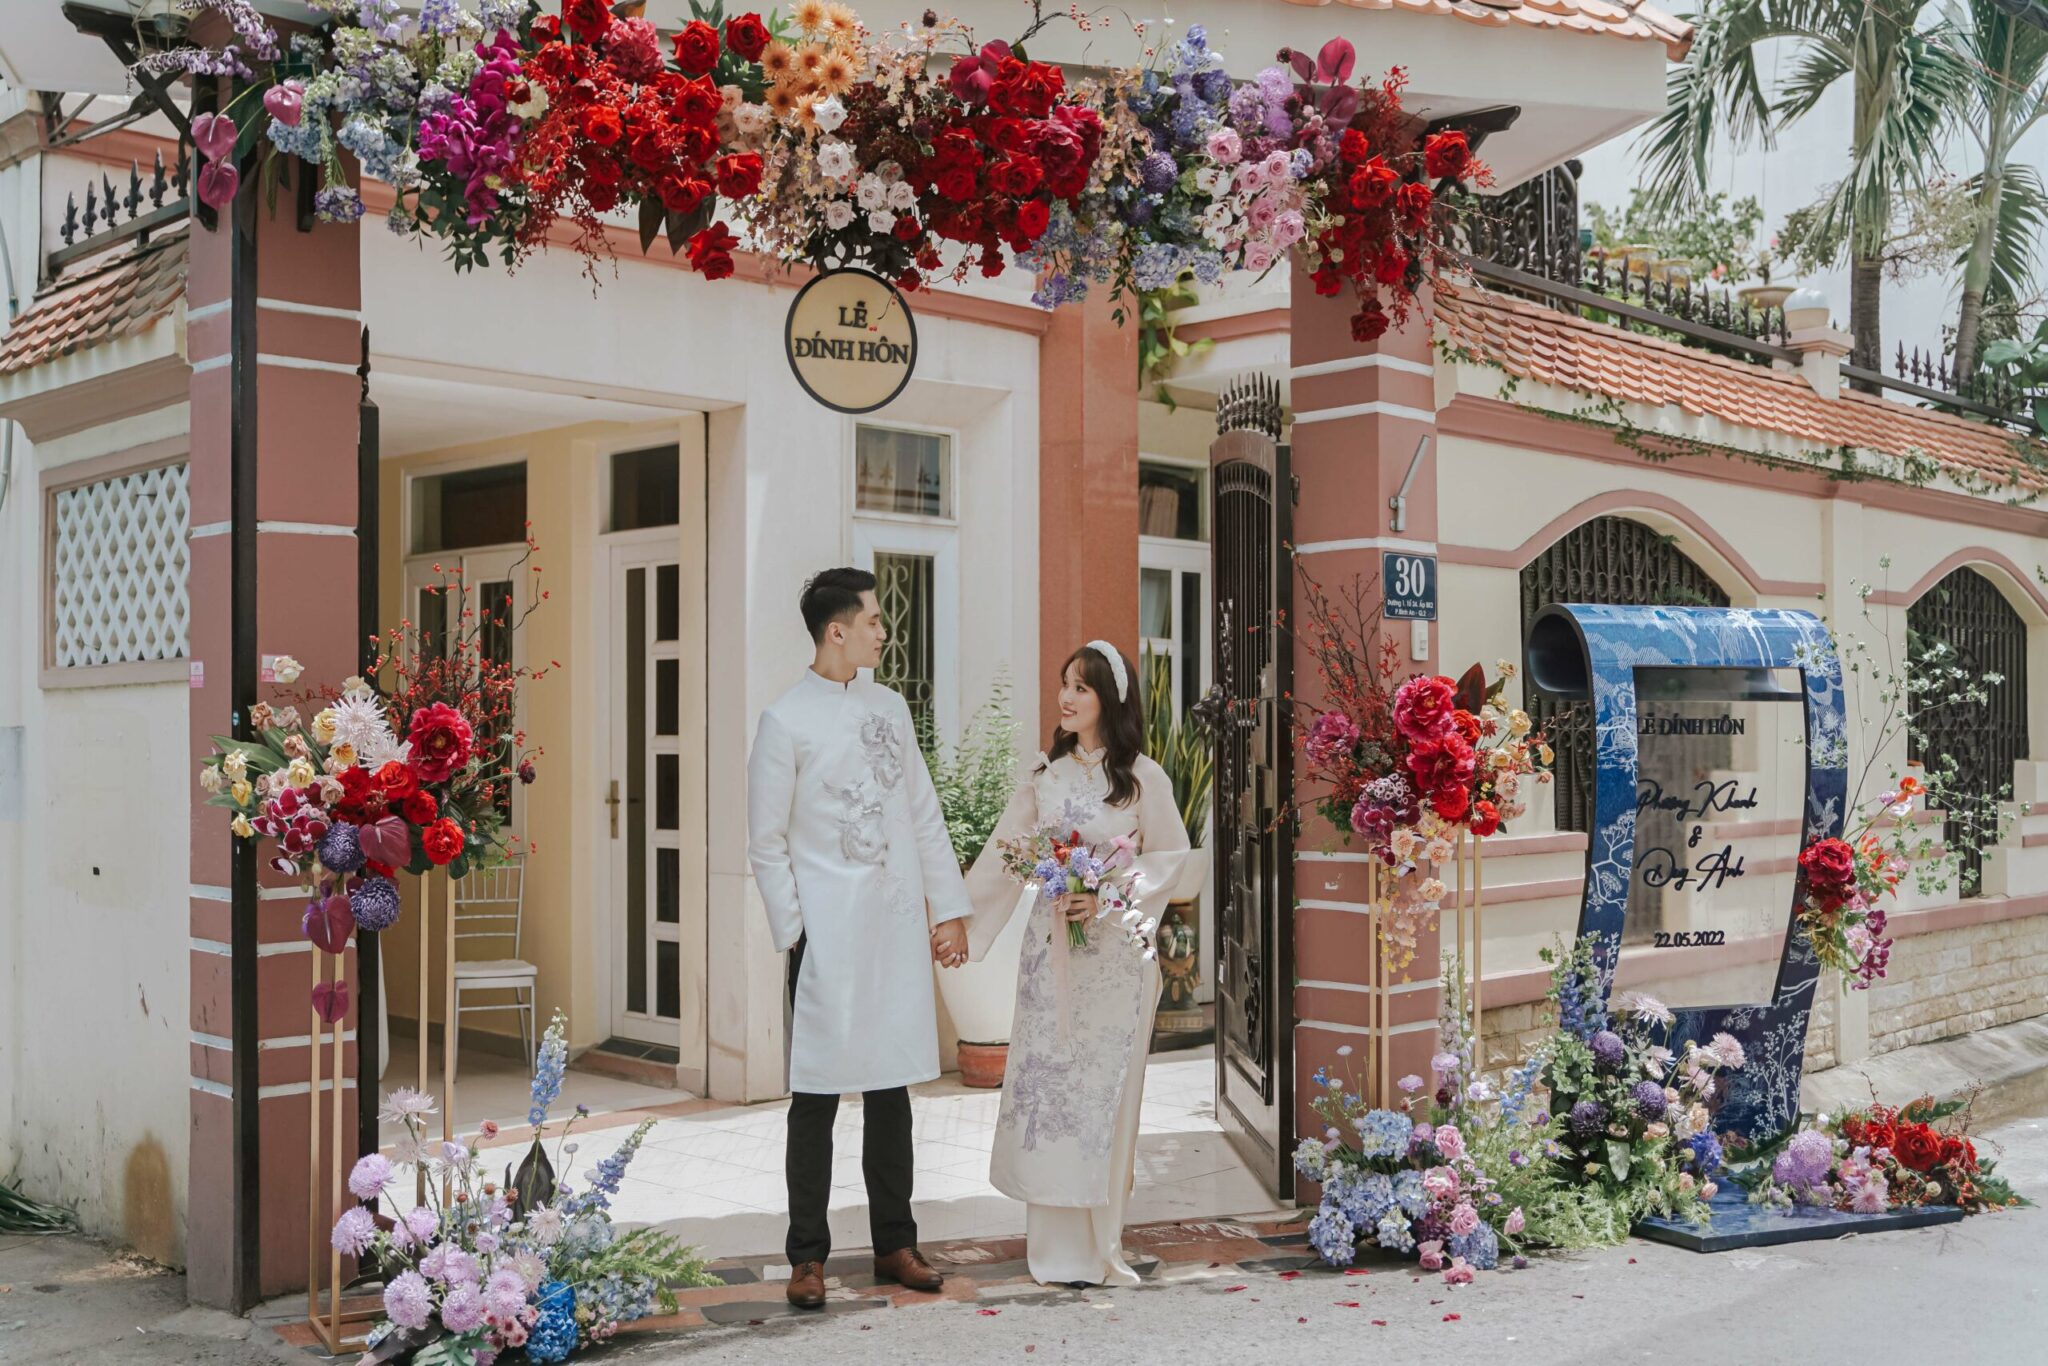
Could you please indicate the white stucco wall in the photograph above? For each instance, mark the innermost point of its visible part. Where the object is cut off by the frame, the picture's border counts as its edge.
(94, 984)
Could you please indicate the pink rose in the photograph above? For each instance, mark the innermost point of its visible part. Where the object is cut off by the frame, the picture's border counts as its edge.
(1459, 1272)
(1451, 1144)
(1464, 1218)
(1516, 1223)
(1432, 1255)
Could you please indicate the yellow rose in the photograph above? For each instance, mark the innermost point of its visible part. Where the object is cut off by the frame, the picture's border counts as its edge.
(240, 825)
(1545, 753)
(210, 779)
(300, 773)
(323, 726)
(1519, 722)
(235, 765)
(286, 669)
(242, 792)
(344, 754)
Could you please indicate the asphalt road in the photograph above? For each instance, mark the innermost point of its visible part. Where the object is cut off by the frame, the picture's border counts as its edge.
(1974, 1292)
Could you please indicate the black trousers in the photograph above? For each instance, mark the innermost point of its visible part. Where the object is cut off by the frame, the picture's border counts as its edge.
(886, 1163)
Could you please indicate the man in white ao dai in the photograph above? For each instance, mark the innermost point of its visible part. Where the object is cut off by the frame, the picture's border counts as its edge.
(863, 892)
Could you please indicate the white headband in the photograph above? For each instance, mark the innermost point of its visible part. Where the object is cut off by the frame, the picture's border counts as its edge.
(1116, 667)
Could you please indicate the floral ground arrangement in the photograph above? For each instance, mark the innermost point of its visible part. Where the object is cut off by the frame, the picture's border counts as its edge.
(1602, 1127)
(916, 153)
(527, 1268)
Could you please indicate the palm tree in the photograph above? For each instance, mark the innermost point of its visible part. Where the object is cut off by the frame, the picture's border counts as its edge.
(1907, 86)
(2005, 55)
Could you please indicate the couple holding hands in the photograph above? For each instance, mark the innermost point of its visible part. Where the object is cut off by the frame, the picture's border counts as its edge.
(862, 890)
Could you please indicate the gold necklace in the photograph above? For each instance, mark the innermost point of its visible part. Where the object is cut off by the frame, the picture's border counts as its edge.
(1087, 760)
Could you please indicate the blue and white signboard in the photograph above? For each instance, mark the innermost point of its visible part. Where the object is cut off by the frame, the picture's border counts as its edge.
(1408, 586)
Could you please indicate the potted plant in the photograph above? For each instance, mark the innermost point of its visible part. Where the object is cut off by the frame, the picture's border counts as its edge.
(974, 779)
(1181, 747)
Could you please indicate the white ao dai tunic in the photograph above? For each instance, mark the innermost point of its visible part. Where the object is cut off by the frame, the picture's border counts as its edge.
(1067, 1135)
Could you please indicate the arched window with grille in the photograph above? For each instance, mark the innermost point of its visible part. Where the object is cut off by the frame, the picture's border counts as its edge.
(1966, 612)
(1614, 561)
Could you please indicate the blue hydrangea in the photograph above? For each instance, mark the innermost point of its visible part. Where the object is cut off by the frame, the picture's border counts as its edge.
(1394, 1235)
(1409, 1193)
(1706, 1154)
(1480, 1247)
(1312, 1159)
(1383, 1134)
(1330, 1234)
(1372, 1198)
(553, 1335)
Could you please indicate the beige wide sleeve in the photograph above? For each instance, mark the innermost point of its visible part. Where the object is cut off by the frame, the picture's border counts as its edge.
(995, 894)
(1162, 842)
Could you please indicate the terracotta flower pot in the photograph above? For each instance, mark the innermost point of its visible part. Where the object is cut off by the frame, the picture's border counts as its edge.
(981, 1064)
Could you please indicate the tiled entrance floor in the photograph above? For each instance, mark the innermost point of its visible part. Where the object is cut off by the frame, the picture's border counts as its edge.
(712, 1173)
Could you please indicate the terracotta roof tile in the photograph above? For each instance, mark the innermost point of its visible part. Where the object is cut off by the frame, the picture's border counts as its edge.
(104, 298)
(1545, 345)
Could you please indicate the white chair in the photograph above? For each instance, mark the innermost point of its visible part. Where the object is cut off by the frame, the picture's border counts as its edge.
(489, 905)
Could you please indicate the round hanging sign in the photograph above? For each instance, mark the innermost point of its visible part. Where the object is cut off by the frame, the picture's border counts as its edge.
(851, 340)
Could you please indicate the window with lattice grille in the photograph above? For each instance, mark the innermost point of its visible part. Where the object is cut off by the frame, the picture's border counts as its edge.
(118, 557)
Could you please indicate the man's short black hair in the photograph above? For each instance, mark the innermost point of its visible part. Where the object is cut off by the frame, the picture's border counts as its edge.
(834, 595)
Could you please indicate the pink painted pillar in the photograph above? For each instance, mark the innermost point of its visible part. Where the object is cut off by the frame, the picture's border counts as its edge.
(302, 295)
(1088, 489)
(1359, 412)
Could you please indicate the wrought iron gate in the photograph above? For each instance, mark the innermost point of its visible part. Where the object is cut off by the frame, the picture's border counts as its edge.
(1253, 575)
(1615, 562)
(1967, 613)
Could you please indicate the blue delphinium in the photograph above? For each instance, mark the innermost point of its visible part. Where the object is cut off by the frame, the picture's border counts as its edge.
(1706, 1154)
(1521, 1081)
(547, 1070)
(608, 1174)
(1383, 1134)
(1331, 1235)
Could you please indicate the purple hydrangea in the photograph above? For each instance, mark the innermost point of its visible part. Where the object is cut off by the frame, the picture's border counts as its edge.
(338, 204)
(1649, 1099)
(1158, 172)
(1706, 1154)
(341, 850)
(1608, 1050)
(1588, 1118)
(375, 904)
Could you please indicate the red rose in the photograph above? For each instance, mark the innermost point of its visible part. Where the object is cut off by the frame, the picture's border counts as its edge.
(420, 808)
(646, 152)
(589, 18)
(1352, 148)
(739, 174)
(1466, 725)
(1879, 1135)
(1918, 1147)
(1830, 868)
(1373, 183)
(956, 183)
(601, 171)
(1016, 175)
(442, 842)
(1032, 218)
(910, 282)
(711, 251)
(601, 124)
(1413, 203)
(696, 141)
(1485, 818)
(1447, 154)
(681, 193)
(699, 101)
(747, 35)
(398, 781)
(356, 786)
(441, 740)
(1369, 323)
(1439, 764)
(697, 47)
(907, 228)
(1451, 802)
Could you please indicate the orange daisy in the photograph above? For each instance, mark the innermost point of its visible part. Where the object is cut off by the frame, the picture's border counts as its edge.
(836, 74)
(808, 15)
(777, 61)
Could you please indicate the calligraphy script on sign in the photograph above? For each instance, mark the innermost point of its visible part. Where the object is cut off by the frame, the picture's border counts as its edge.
(1677, 850)
(851, 341)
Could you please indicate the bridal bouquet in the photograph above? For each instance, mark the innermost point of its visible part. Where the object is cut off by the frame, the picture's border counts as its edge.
(1063, 866)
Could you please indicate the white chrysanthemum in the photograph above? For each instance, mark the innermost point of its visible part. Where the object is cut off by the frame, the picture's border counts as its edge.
(360, 722)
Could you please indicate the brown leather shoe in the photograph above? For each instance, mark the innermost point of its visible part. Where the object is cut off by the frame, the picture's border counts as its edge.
(909, 1268)
(807, 1285)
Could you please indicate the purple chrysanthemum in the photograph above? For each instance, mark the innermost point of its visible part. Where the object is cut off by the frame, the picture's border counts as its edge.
(375, 904)
(463, 1310)
(1158, 172)
(1588, 1118)
(369, 1177)
(354, 1231)
(340, 850)
(1649, 1099)
(1608, 1050)
(408, 1300)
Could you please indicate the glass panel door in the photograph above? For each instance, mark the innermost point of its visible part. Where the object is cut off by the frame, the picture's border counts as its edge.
(645, 796)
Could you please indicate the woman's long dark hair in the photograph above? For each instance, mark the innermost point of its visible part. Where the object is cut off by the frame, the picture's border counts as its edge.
(1121, 729)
